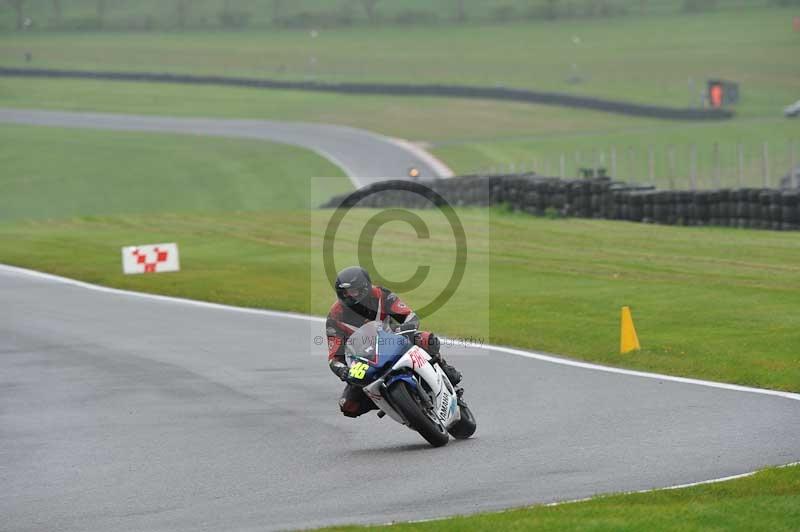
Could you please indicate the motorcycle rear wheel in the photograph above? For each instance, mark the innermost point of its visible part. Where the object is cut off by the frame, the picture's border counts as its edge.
(403, 400)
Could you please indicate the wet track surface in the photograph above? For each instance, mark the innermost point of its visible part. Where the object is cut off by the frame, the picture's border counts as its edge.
(364, 156)
(120, 412)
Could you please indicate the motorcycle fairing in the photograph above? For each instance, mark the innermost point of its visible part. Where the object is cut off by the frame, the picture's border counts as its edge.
(414, 366)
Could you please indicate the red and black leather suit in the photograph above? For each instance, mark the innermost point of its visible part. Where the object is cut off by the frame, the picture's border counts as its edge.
(343, 320)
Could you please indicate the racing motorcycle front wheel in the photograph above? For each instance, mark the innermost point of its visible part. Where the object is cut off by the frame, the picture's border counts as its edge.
(464, 427)
(403, 399)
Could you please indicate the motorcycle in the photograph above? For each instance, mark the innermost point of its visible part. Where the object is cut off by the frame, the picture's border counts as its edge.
(404, 384)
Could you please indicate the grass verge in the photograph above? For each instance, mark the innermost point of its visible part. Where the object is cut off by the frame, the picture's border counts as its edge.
(654, 55)
(712, 303)
(58, 173)
(632, 58)
(768, 501)
(469, 135)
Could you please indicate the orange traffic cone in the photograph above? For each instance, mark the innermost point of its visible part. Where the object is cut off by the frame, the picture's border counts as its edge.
(628, 341)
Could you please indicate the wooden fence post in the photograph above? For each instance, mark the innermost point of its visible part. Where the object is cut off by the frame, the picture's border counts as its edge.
(740, 157)
(671, 165)
(630, 158)
(614, 162)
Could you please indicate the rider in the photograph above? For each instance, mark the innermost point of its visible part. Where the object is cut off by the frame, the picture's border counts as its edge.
(358, 303)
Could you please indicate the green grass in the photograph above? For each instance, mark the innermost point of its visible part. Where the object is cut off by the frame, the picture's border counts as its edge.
(645, 59)
(719, 304)
(155, 14)
(470, 136)
(768, 501)
(630, 148)
(424, 119)
(709, 302)
(58, 173)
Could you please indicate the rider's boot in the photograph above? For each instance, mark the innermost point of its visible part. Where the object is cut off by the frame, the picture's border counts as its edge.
(432, 345)
(460, 397)
(453, 375)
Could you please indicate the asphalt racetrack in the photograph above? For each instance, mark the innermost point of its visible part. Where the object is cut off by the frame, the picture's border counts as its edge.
(121, 411)
(364, 156)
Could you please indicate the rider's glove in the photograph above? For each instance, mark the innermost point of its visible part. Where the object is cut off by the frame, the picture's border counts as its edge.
(342, 372)
(407, 327)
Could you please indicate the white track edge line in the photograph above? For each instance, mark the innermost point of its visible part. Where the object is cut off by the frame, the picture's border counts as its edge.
(157, 297)
(322, 153)
(501, 349)
(647, 375)
(599, 496)
(675, 487)
(436, 164)
(343, 167)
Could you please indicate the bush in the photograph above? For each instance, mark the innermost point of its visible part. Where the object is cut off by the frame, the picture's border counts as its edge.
(87, 23)
(552, 213)
(324, 19)
(231, 18)
(132, 23)
(693, 6)
(502, 13)
(415, 16)
(550, 11)
(602, 8)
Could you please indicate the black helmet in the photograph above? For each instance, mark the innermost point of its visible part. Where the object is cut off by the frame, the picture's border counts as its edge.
(352, 285)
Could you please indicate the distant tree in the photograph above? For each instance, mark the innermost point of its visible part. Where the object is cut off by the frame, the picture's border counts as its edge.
(17, 6)
(551, 9)
(57, 13)
(101, 13)
(231, 17)
(182, 11)
(699, 5)
(277, 10)
(598, 8)
(461, 12)
(369, 8)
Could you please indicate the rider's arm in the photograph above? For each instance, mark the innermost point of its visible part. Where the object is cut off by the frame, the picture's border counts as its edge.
(336, 342)
(400, 312)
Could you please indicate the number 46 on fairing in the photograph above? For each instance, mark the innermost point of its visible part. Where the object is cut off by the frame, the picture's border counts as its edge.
(358, 370)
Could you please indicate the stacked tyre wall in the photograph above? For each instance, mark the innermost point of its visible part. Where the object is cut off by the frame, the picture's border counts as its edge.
(600, 198)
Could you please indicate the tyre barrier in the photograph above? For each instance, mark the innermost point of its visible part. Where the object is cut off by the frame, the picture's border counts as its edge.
(391, 89)
(598, 197)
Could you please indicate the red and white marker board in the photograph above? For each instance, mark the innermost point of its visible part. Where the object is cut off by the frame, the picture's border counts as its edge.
(150, 258)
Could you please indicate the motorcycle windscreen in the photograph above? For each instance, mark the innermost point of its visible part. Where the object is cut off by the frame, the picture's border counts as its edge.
(374, 345)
